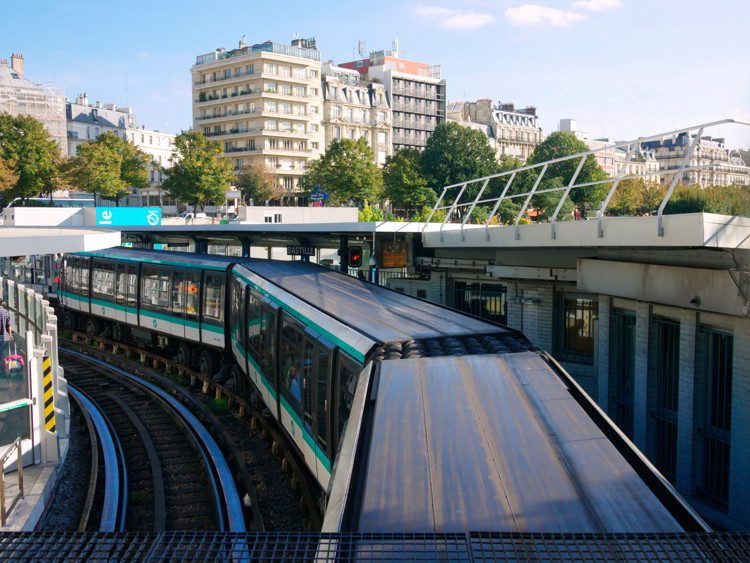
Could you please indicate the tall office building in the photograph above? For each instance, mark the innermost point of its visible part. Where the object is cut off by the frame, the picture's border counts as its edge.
(263, 103)
(416, 94)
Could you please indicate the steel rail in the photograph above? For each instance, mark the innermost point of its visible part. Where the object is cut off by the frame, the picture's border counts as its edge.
(228, 503)
(88, 504)
(114, 505)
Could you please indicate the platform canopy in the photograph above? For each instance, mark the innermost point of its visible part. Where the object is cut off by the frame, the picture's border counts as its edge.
(25, 241)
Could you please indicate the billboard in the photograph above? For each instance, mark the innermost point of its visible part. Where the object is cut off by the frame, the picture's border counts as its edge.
(128, 216)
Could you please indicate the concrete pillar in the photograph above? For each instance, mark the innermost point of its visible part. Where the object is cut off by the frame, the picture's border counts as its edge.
(641, 376)
(602, 372)
(245, 248)
(685, 403)
(201, 246)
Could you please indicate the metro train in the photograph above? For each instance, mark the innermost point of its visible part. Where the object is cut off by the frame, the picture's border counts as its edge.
(410, 415)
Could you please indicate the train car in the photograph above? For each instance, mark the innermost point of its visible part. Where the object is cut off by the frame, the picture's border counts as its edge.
(410, 415)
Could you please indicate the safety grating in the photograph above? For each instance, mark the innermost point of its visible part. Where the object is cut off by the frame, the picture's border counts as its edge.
(217, 546)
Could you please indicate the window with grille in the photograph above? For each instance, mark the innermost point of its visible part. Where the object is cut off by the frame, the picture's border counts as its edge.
(718, 348)
(622, 369)
(666, 371)
(578, 315)
(484, 300)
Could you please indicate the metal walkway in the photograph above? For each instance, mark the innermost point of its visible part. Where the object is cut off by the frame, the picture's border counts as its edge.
(475, 546)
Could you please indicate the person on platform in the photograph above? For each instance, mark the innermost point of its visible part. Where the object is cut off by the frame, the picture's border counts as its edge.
(6, 332)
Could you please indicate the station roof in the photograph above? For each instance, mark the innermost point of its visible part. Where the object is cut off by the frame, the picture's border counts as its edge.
(25, 241)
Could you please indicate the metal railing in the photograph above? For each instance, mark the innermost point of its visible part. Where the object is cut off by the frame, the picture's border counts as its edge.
(631, 148)
(16, 445)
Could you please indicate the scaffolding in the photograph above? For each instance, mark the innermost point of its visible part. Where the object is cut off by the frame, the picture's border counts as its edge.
(20, 96)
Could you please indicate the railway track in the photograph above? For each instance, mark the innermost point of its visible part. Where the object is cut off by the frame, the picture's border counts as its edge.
(169, 472)
(165, 372)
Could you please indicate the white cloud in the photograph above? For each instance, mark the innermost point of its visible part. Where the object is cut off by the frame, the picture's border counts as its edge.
(597, 5)
(455, 19)
(533, 15)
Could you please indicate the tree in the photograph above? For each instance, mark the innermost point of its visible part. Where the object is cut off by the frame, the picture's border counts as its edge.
(564, 143)
(8, 176)
(454, 154)
(133, 170)
(258, 184)
(34, 156)
(347, 171)
(96, 169)
(200, 175)
(405, 184)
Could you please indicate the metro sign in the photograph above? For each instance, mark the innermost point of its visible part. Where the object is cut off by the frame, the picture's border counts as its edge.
(300, 250)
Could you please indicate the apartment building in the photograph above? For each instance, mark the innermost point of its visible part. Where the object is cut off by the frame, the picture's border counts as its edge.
(160, 147)
(354, 108)
(85, 121)
(711, 163)
(263, 103)
(510, 131)
(416, 95)
(643, 164)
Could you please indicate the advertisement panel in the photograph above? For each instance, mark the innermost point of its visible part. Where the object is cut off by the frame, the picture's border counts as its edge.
(128, 216)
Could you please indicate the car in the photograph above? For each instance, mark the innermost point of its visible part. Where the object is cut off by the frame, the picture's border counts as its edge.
(189, 216)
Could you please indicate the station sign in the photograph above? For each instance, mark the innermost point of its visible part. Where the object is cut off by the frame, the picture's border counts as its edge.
(128, 216)
(300, 250)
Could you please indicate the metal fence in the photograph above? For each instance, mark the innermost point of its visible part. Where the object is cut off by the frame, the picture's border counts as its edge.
(460, 209)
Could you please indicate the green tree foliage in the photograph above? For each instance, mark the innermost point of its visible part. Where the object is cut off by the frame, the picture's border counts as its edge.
(27, 147)
(370, 213)
(728, 200)
(347, 171)
(96, 169)
(133, 169)
(564, 143)
(454, 154)
(258, 184)
(108, 167)
(200, 175)
(405, 184)
(8, 176)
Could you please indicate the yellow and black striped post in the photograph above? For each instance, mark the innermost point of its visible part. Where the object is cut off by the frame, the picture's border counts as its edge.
(49, 395)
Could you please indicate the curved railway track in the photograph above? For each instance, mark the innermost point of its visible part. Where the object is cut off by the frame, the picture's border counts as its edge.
(176, 476)
(152, 365)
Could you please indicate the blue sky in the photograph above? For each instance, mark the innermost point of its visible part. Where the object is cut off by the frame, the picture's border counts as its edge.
(622, 68)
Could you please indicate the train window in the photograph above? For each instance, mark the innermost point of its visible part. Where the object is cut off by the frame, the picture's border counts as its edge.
(213, 300)
(308, 363)
(268, 330)
(347, 382)
(292, 342)
(155, 287)
(323, 374)
(103, 280)
(83, 279)
(254, 333)
(237, 317)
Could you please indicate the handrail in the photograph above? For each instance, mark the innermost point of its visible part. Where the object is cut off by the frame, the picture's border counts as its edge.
(16, 445)
(632, 148)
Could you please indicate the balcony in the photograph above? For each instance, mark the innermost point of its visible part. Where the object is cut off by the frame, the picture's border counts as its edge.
(228, 114)
(207, 98)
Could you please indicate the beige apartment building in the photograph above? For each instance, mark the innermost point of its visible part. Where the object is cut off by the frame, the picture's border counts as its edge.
(263, 103)
(354, 108)
(511, 132)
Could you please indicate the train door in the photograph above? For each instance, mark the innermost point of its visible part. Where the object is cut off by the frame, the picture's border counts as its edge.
(178, 303)
(212, 321)
(121, 290)
(131, 294)
(347, 374)
(323, 372)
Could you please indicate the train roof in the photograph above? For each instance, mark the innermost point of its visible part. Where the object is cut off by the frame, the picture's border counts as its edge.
(382, 314)
(492, 443)
(168, 258)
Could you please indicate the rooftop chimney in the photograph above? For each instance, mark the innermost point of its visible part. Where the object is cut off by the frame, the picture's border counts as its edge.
(16, 62)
